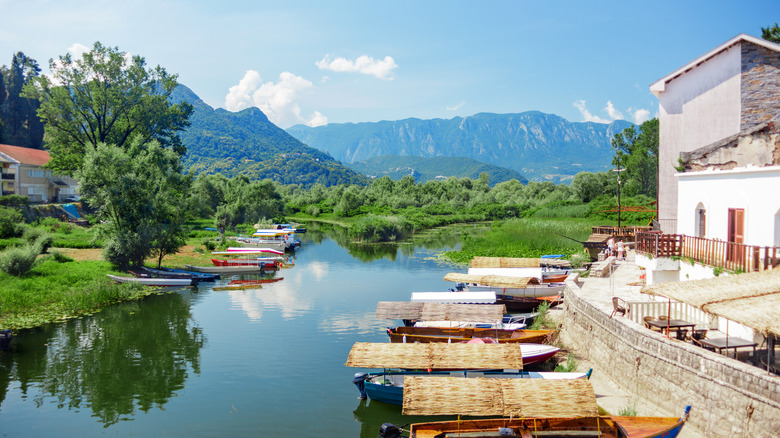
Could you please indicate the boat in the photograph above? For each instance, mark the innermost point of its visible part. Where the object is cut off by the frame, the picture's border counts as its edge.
(248, 249)
(599, 426)
(461, 296)
(165, 273)
(255, 257)
(202, 276)
(151, 281)
(223, 270)
(526, 304)
(529, 407)
(448, 335)
(463, 360)
(505, 285)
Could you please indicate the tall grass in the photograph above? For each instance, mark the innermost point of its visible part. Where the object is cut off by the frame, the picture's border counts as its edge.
(525, 238)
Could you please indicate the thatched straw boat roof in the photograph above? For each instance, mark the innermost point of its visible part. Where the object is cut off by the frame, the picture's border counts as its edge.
(497, 281)
(498, 397)
(435, 355)
(750, 299)
(440, 311)
(504, 262)
(514, 262)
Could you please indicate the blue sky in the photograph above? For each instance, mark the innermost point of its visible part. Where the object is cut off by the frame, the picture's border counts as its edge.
(361, 61)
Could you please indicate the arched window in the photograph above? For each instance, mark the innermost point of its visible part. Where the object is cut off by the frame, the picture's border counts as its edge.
(700, 227)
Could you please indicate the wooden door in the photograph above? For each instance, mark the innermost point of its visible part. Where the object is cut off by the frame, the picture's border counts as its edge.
(736, 235)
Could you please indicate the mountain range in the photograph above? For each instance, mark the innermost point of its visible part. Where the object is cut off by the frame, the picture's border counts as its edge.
(543, 147)
(247, 143)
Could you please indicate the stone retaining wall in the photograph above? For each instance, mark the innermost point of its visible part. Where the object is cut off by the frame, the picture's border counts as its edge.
(728, 397)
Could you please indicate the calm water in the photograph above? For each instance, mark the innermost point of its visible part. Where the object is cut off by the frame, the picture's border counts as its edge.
(199, 362)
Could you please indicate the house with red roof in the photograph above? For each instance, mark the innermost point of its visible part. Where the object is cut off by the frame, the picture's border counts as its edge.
(22, 173)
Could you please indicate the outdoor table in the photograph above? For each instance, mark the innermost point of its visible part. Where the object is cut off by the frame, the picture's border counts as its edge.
(678, 325)
(720, 344)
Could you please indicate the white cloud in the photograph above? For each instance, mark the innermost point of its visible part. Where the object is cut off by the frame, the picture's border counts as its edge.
(76, 50)
(640, 116)
(457, 106)
(586, 115)
(614, 114)
(279, 101)
(382, 69)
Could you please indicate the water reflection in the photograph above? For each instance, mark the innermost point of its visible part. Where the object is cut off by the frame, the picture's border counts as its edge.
(137, 362)
(284, 294)
(362, 324)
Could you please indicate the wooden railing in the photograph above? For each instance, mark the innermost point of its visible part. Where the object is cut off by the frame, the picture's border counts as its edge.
(619, 231)
(659, 245)
(675, 310)
(712, 252)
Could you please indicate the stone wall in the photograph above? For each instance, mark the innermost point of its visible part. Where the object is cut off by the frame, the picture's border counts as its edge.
(728, 398)
(760, 85)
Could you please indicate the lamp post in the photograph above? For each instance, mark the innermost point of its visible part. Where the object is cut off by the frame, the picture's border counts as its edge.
(618, 170)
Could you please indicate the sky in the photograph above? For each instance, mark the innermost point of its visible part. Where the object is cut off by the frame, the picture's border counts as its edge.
(317, 62)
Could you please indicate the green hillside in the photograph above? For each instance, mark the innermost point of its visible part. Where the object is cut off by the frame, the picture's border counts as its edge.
(246, 142)
(425, 169)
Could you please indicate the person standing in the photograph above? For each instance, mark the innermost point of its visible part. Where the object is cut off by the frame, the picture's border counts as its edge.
(610, 246)
(620, 250)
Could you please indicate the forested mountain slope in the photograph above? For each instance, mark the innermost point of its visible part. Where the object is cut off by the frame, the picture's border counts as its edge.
(429, 168)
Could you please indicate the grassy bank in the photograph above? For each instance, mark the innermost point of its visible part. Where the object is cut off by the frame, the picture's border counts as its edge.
(525, 238)
(53, 291)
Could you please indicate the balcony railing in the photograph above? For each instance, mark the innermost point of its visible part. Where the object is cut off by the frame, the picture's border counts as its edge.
(619, 231)
(8, 176)
(712, 252)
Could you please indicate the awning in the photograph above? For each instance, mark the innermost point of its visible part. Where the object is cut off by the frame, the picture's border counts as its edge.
(455, 297)
(58, 182)
(435, 355)
(498, 397)
(440, 312)
(751, 299)
(497, 281)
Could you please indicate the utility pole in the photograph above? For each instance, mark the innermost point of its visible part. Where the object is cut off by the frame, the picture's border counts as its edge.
(618, 170)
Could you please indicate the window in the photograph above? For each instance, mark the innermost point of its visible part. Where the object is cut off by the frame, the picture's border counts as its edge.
(700, 227)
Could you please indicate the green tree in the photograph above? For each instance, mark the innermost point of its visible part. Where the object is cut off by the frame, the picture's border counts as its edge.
(19, 123)
(771, 33)
(139, 193)
(105, 97)
(637, 153)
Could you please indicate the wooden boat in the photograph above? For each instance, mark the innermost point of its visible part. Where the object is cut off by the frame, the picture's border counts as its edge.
(601, 426)
(530, 407)
(526, 304)
(457, 360)
(263, 262)
(226, 269)
(151, 281)
(201, 276)
(449, 335)
(165, 273)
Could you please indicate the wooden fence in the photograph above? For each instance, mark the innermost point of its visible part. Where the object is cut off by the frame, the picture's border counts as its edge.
(713, 252)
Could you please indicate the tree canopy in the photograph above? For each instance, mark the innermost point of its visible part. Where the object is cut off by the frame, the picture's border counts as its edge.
(108, 97)
(771, 33)
(19, 122)
(637, 153)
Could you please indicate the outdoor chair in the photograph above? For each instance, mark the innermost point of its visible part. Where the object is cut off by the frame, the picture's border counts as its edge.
(650, 318)
(619, 305)
(663, 318)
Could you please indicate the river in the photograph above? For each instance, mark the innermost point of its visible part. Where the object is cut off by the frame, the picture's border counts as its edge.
(198, 362)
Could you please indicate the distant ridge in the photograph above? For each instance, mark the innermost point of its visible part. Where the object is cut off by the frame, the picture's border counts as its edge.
(431, 168)
(543, 147)
(247, 143)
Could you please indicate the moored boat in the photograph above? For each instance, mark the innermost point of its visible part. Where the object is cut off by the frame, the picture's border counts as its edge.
(201, 276)
(226, 269)
(530, 407)
(151, 281)
(449, 335)
(453, 360)
(505, 285)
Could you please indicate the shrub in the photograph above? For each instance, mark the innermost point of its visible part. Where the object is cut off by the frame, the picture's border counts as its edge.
(209, 244)
(38, 237)
(17, 261)
(11, 222)
(60, 257)
(14, 200)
